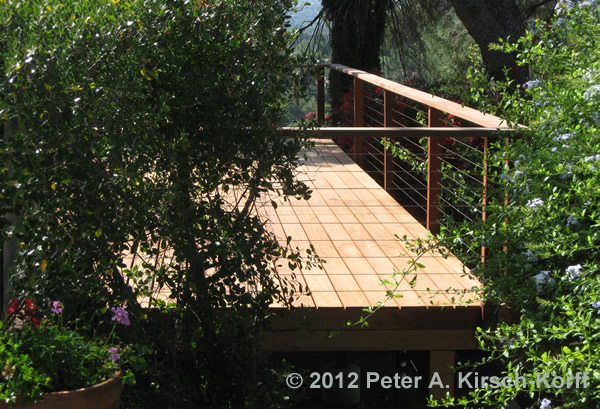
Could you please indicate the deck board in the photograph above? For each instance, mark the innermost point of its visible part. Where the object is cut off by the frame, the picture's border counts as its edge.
(352, 224)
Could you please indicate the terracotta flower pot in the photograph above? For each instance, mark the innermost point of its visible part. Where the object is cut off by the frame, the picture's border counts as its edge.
(105, 395)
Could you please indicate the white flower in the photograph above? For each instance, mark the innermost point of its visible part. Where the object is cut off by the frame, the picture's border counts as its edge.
(563, 5)
(554, 149)
(519, 173)
(564, 137)
(542, 279)
(532, 84)
(574, 272)
(591, 92)
(572, 221)
(535, 203)
(531, 257)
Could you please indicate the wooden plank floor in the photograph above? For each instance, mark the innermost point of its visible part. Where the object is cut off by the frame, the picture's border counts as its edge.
(352, 222)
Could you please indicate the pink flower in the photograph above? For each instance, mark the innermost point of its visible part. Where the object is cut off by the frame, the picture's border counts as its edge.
(56, 307)
(113, 354)
(121, 315)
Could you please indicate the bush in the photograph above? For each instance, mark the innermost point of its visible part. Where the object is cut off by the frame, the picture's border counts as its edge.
(543, 258)
(148, 128)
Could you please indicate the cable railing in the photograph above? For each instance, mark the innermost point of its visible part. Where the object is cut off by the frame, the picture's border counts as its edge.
(428, 152)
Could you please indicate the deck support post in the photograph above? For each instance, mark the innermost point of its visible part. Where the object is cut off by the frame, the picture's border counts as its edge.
(441, 373)
(321, 96)
(335, 93)
(434, 174)
(388, 158)
(358, 120)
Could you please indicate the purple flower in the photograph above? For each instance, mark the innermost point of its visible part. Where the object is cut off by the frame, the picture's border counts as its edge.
(545, 404)
(596, 305)
(121, 315)
(113, 354)
(56, 307)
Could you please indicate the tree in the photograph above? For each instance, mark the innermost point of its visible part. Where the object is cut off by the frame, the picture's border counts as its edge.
(358, 27)
(147, 128)
(487, 21)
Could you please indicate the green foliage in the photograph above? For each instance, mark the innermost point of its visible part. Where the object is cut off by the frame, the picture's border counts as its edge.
(542, 246)
(147, 128)
(41, 356)
(435, 55)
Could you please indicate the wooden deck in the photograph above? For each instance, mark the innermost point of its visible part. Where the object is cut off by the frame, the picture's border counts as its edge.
(352, 223)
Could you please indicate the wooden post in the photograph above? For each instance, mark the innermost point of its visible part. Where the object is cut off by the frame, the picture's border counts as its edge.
(484, 193)
(434, 174)
(388, 159)
(321, 96)
(441, 373)
(336, 94)
(358, 120)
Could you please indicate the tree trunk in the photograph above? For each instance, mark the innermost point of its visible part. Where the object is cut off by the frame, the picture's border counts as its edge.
(487, 21)
(357, 28)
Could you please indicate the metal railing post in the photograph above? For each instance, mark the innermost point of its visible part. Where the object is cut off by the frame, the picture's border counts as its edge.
(321, 96)
(388, 159)
(434, 174)
(358, 120)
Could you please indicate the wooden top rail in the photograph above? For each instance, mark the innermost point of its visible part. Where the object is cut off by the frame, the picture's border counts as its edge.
(453, 108)
(394, 132)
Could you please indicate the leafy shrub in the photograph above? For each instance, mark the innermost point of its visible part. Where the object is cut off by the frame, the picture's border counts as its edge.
(147, 128)
(542, 246)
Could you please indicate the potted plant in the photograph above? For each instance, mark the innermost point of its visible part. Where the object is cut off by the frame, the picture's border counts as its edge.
(44, 364)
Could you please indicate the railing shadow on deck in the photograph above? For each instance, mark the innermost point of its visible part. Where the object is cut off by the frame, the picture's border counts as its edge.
(437, 150)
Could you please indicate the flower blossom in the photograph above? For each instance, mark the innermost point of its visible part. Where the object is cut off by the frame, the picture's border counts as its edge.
(591, 92)
(545, 404)
(121, 315)
(564, 137)
(114, 356)
(572, 221)
(574, 272)
(56, 307)
(542, 279)
(531, 257)
(535, 203)
(596, 305)
(532, 84)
